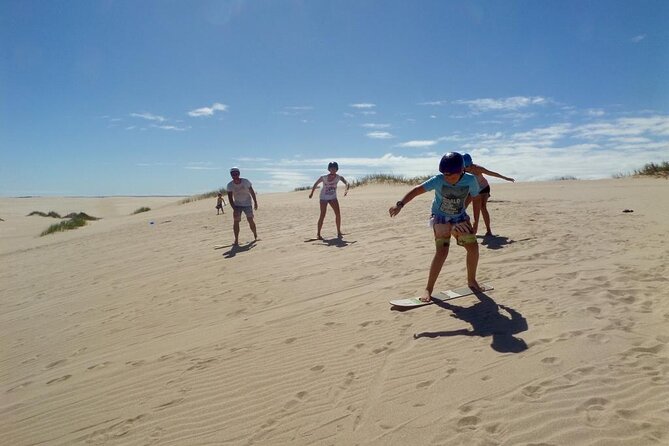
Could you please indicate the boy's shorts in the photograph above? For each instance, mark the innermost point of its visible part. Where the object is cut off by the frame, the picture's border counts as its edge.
(237, 212)
(459, 227)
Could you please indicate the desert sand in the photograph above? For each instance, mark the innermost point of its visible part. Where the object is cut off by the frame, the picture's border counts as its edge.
(151, 329)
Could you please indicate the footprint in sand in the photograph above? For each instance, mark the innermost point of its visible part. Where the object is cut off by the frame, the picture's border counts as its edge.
(55, 364)
(57, 380)
(317, 368)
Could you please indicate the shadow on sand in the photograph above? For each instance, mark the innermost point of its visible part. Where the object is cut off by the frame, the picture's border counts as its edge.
(236, 249)
(497, 241)
(336, 242)
(486, 321)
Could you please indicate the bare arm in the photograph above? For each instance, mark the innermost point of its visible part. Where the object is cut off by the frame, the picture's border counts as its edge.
(495, 174)
(343, 180)
(318, 181)
(230, 200)
(413, 193)
(253, 195)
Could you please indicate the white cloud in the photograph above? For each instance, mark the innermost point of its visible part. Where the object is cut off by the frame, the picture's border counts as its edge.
(511, 103)
(380, 135)
(208, 111)
(171, 127)
(363, 105)
(639, 38)
(148, 116)
(433, 103)
(418, 143)
(370, 125)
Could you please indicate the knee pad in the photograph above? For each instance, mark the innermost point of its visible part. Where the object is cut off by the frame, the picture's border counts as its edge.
(467, 239)
(442, 242)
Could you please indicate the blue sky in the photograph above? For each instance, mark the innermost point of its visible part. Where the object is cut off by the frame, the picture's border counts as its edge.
(163, 97)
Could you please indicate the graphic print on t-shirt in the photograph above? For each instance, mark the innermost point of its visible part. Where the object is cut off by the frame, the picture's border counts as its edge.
(453, 199)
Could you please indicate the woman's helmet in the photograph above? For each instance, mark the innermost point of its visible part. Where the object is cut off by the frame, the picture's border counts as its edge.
(467, 159)
(452, 162)
(333, 164)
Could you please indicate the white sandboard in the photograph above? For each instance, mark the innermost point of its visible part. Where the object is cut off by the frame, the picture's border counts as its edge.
(442, 295)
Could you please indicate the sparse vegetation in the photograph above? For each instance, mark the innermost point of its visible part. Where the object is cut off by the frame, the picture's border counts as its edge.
(650, 170)
(74, 220)
(51, 214)
(654, 170)
(566, 178)
(204, 196)
(81, 215)
(140, 210)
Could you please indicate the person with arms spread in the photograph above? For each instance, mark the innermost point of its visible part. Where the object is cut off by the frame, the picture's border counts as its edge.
(449, 217)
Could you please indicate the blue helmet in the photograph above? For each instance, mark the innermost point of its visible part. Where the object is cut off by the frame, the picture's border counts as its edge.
(452, 162)
(468, 159)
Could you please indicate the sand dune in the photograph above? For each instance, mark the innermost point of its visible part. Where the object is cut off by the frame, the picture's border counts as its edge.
(125, 332)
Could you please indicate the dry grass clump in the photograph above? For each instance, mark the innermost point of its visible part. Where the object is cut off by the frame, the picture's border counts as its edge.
(204, 196)
(74, 220)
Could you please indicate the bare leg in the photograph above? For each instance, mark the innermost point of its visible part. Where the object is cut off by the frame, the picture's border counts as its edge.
(321, 218)
(337, 211)
(442, 232)
(472, 265)
(252, 225)
(486, 214)
(476, 214)
(235, 229)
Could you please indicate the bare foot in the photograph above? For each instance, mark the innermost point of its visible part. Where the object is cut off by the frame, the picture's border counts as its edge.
(318, 237)
(340, 235)
(426, 297)
(474, 285)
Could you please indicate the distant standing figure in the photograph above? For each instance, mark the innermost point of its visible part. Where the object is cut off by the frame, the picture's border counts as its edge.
(484, 194)
(329, 196)
(242, 198)
(220, 202)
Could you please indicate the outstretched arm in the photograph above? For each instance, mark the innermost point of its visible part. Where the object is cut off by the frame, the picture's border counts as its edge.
(318, 181)
(413, 193)
(495, 174)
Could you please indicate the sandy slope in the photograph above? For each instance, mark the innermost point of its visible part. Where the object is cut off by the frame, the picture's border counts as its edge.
(125, 332)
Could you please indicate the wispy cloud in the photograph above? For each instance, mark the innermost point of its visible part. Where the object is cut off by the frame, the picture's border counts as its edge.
(208, 111)
(148, 116)
(296, 110)
(201, 165)
(363, 105)
(508, 104)
(171, 127)
(418, 144)
(639, 38)
(371, 125)
(380, 135)
(433, 103)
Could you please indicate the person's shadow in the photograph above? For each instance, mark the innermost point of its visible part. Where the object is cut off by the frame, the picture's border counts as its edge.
(237, 249)
(336, 242)
(498, 241)
(486, 320)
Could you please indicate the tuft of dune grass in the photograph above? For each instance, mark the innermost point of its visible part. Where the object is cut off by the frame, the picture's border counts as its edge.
(204, 196)
(140, 210)
(74, 220)
(654, 170)
(51, 214)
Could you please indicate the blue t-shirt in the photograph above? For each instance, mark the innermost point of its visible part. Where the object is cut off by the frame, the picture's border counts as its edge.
(449, 200)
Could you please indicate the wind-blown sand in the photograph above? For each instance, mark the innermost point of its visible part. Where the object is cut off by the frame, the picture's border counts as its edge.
(129, 333)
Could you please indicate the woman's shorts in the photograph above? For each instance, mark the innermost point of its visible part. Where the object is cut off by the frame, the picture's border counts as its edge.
(485, 190)
(237, 212)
